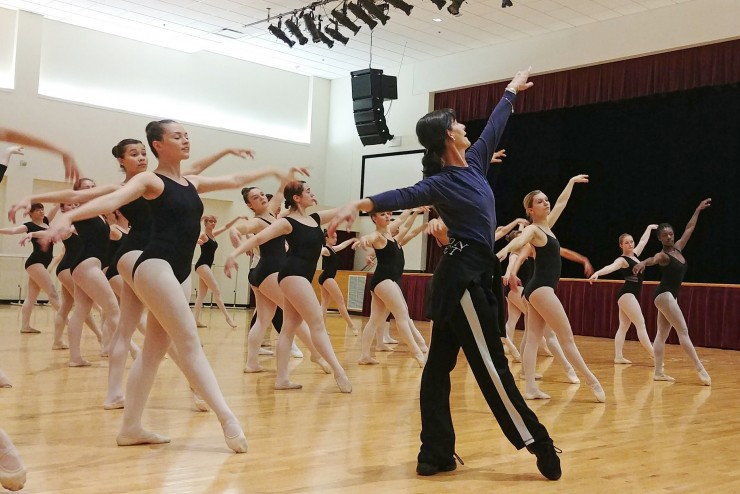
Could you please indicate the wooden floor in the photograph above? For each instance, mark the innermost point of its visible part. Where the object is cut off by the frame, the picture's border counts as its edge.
(648, 437)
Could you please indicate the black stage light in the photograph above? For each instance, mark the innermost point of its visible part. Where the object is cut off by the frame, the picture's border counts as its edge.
(506, 3)
(439, 3)
(401, 5)
(296, 32)
(362, 15)
(279, 34)
(454, 7)
(326, 40)
(375, 11)
(341, 17)
(334, 33)
(311, 26)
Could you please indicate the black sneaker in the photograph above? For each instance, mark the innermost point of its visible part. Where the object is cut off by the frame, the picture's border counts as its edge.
(548, 462)
(426, 469)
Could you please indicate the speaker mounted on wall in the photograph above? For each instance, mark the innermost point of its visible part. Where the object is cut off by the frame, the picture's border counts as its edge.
(369, 89)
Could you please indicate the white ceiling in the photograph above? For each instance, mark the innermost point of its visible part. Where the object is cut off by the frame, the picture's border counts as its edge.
(193, 25)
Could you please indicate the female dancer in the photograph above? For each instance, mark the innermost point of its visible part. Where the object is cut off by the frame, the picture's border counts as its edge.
(627, 298)
(463, 303)
(329, 287)
(386, 292)
(545, 308)
(36, 264)
(71, 171)
(206, 280)
(161, 276)
(304, 237)
(673, 266)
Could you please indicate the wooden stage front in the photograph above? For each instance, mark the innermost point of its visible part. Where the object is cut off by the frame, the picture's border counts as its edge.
(648, 437)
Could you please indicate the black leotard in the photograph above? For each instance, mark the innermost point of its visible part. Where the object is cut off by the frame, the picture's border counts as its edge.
(110, 254)
(139, 217)
(95, 235)
(400, 265)
(670, 280)
(72, 247)
(547, 266)
(38, 256)
(207, 252)
(272, 258)
(632, 282)
(304, 249)
(329, 264)
(524, 274)
(387, 268)
(176, 214)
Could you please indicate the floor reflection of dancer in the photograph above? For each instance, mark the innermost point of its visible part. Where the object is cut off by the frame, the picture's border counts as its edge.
(305, 237)
(545, 309)
(673, 266)
(161, 277)
(627, 298)
(206, 280)
(464, 307)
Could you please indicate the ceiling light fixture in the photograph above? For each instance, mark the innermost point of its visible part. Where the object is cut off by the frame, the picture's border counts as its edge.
(401, 5)
(334, 33)
(506, 3)
(279, 34)
(341, 17)
(439, 3)
(375, 11)
(296, 32)
(362, 15)
(454, 7)
(308, 21)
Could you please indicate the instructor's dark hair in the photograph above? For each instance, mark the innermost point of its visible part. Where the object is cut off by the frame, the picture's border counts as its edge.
(431, 130)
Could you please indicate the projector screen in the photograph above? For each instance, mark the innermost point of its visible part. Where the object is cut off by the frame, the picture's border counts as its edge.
(381, 172)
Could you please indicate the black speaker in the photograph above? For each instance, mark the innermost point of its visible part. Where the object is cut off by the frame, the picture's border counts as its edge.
(369, 89)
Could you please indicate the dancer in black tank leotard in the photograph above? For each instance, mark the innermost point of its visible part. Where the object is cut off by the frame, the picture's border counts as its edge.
(36, 264)
(118, 232)
(673, 266)
(305, 237)
(206, 280)
(545, 309)
(629, 294)
(329, 287)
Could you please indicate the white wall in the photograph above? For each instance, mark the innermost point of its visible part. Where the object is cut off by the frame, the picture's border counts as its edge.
(91, 131)
(690, 24)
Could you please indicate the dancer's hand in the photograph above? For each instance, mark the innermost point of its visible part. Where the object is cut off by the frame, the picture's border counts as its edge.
(588, 270)
(514, 282)
(24, 205)
(501, 255)
(592, 278)
(704, 204)
(235, 237)
(519, 82)
(638, 268)
(230, 266)
(580, 179)
(24, 240)
(498, 156)
(241, 153)
(346, 214)
(71, 170)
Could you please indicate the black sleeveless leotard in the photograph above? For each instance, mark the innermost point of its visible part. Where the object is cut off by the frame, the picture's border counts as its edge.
(524, 274)
(38, 256)
(547, 266)
(95, 235)
(400, 265)
(304, 249)
(176, 217)
(139, 217)
(670, 280)
(72, 247)
(632, 281)
(110, 255)
(207, 253)
(329, 265)
(387, 268)
(272, 258)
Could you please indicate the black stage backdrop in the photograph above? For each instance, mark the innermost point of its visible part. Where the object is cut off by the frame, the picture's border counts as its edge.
(650, 160)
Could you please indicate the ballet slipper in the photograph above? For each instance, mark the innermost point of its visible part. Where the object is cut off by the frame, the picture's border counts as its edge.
(199, 404)
(536, 395)
(321, 363)
(200, 325)
(253, 370)
(12, 473)
(265, 351)
(287, 385)
(382, 347)
(621, 360)
(343, 383)
(30, 330)
(235, 438)
(13, 480)
(598, 392)
(295, 352)
(60, 346)
(537, 376)
(231, 323)
(5, 381)
(704, 377)
(572, 376)
(140, 437)
(116, 404)
(663, 377)
(352, 328)
(389, 341)
(420, 359)
(544, 352)
(367, 361)
(424, 348)
(79, 363)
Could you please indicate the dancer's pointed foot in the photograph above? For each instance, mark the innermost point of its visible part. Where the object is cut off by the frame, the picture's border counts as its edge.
(199, 404)
(382, 347)
(321, 363)
(544, 351)
(343, 383)
(59, 346)
(140, 436)
(704, 378)
(287, 385)
(295, 352)
(79, 363)
(536, 395)
(353, 328)
(235, 438)
(572, 376)
(663, 377)
(30, 330)
(253, 370)
(368, 361)
(265, 351)
(231, 322)
(115, 404)
(421, 359)
(5, 381)
(598, 392)
(389, 341)
(621, 360)
(12, 471)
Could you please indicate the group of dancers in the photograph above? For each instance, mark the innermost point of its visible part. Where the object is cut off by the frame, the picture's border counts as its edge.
(163, 212)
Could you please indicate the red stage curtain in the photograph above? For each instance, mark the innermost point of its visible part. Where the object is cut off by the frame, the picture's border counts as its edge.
(710, 65)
